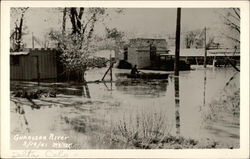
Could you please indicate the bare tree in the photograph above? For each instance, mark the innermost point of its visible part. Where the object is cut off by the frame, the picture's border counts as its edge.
(211, 44)
(231, 18)
(190, 38)
(78, 45)
(17, 34)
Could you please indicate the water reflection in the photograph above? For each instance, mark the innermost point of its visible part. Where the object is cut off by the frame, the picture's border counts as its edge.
(106, 85)
(204, 88)
(177, 104)
(85, 90)
(69, 89)
(150, 88)
(75, 89)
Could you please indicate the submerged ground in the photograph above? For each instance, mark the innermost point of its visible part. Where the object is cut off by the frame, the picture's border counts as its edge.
(130, 113)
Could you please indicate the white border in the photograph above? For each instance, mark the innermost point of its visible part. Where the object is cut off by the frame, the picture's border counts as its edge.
(243, 152)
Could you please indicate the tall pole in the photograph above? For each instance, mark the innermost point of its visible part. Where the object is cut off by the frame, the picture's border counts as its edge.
(177, 42)
(176, 71)
(205, 55)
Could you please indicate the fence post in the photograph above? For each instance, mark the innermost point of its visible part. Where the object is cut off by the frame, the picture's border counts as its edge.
(111, 65)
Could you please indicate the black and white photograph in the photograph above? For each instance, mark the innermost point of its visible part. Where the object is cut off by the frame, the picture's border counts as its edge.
(161, 78)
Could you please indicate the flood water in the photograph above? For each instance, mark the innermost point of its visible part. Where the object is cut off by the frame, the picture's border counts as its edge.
(87, 112)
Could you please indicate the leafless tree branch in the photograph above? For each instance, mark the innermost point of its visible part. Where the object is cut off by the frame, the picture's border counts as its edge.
(237, 12)
(232, 38)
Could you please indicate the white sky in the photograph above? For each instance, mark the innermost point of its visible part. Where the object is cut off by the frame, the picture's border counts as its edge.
(134, 22)
(158, 21)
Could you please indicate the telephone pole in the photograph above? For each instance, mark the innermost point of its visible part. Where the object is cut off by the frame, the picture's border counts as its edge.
(176, 71)
(177, 42)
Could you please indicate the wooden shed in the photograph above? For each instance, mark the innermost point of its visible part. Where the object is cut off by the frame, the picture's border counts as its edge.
(144, 52)
(32, 64)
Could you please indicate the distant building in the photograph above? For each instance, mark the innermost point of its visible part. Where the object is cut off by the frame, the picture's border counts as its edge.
(192, 52)
(196, 56)
(144, 52)
(32, 63)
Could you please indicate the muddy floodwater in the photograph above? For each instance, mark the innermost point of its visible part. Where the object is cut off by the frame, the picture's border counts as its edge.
(86, 114)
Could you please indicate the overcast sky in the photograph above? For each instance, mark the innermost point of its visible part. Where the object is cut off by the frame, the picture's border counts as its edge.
(149, 23)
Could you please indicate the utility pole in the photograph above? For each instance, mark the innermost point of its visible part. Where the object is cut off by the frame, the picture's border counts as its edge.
(177, 42)
(176, 71)
(205, 55)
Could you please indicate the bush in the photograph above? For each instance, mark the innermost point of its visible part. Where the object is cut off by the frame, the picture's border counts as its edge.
(150, 131)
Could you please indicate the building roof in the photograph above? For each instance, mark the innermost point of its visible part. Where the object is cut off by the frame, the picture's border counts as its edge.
(146, 42)
(19, 53)
(201, 52)
(27, 51)
(188, 52)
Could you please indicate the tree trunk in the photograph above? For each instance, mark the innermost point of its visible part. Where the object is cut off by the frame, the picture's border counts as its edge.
(64, 21)
(20, 28)
(79, 17)
(19, 34)
(73, 21)
(76, 20)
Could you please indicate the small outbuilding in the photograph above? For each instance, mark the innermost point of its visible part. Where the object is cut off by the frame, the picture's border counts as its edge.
(33, 64)
(144, 52)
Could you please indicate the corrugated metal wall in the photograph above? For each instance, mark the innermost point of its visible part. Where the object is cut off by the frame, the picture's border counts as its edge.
(27, 68)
